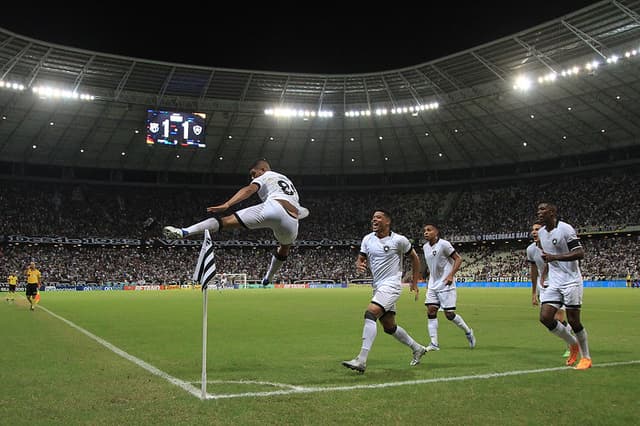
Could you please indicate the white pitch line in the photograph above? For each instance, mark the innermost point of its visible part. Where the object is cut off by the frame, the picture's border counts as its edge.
(408, 382)
(137, 361)
(300, 389)
(253, 382)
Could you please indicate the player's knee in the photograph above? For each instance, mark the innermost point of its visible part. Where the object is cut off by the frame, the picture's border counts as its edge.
(391, 330)
(370, 316)
(432, 315)
(224, 222)
(432, 310)
(450, 315)
(550, 323)
(281, 257)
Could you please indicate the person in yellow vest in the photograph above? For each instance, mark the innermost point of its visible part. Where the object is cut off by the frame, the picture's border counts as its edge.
(34, 279)
(13, 282)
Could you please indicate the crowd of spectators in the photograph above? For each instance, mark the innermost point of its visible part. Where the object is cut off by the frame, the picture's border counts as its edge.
(138, 212)
(72, 210)
(605, 259)
(164, 265)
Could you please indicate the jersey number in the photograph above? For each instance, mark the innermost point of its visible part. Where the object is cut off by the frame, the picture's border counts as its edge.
(287, 187)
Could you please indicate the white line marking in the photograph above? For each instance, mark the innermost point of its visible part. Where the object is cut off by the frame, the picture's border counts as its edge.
(137, 361)
(253, 382)
(408, 382)
(187, 386)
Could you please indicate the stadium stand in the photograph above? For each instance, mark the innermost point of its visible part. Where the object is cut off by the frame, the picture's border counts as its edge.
(600, 207)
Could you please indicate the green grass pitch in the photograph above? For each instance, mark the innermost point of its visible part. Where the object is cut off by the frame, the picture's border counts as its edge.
(274, 339)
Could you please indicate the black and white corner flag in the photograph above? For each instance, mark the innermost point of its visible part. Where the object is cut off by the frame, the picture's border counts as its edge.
(206, 266)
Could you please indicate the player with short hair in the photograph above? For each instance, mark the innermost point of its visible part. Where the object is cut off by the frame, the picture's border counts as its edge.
(383, 251)
(538, 272)
(279, 211)
(443, 262)
(34, 280)
(561, 250)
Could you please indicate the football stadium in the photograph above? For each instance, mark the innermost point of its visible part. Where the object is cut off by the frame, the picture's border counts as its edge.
(186, 244)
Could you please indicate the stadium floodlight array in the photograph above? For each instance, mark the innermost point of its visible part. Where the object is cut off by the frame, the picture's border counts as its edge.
(12, 85)
(413, 110)
(524, 83)
(294, 112)
(52, 92)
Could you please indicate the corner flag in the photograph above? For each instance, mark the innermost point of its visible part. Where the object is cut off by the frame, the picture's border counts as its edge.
(205, 271)
(206, 266)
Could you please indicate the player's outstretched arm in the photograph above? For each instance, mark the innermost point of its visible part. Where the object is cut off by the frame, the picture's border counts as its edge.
(242, 194)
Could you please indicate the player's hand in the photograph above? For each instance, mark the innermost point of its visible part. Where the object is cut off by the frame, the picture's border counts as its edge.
(218, 209)
(534, 300)
(548, 257)
(361, 267)
(448, 280)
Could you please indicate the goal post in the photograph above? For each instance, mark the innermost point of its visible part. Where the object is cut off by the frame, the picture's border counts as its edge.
(232, 280)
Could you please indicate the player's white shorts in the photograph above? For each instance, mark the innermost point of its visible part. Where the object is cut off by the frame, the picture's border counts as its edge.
(540, 290)
(386, 296)
(446, 299)
(567, 295)
(270, 214)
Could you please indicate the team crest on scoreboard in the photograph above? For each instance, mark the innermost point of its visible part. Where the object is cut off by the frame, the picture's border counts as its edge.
(197, 130)
(154, 127)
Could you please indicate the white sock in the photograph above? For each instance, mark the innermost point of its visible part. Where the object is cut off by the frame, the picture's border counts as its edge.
(211, 224)
(457, 320)
(562, 332)
(274, 267)
(369, 332)
(404, 337)
(568, 327)
(432, 325)
(581, 336)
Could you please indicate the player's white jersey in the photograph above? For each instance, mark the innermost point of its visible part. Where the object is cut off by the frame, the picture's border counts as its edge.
(534, 255)
(440, 263)
(561, 239)
(276, 186)
(385, 256)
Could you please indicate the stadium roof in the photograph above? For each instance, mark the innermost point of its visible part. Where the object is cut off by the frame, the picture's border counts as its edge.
(481, 120)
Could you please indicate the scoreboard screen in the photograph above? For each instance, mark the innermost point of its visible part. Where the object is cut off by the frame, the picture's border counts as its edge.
(175, 128)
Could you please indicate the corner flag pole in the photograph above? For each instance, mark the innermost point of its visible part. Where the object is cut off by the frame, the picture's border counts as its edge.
(205, 271)
(204, 343)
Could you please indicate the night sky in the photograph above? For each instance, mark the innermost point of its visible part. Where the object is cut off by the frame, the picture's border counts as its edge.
(317, 41)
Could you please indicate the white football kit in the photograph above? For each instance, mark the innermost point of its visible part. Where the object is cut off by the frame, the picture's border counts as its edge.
(440, 263)
(534, 256)
(385, 256)
(270, 213)
(565, 280)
